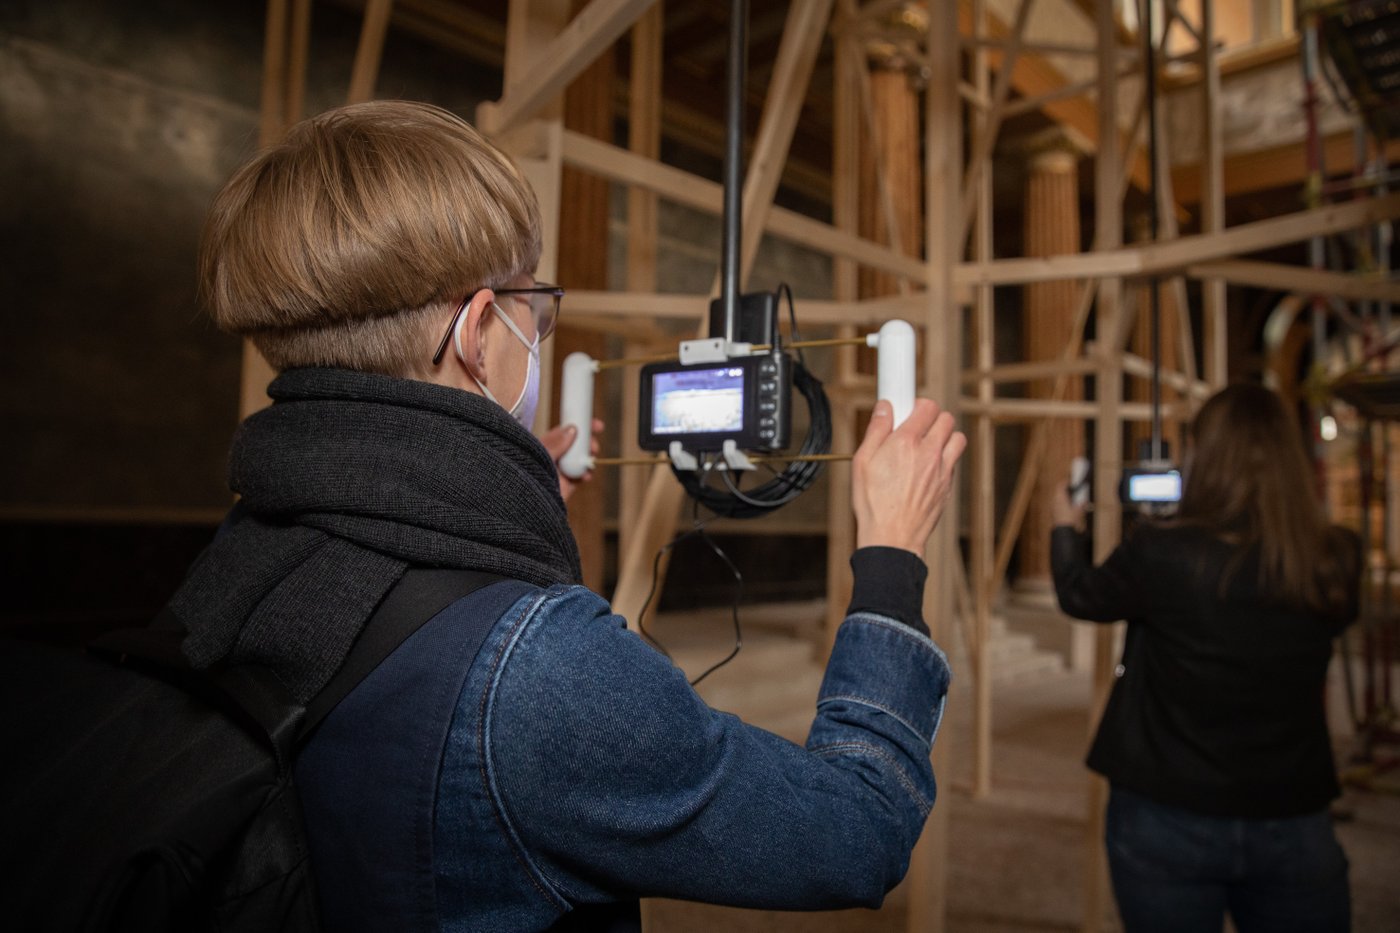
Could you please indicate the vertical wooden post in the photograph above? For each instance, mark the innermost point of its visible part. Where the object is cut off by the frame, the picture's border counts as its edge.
(295, 94)
(643, 138)
(583, 264)
(272, 122)
(983, 459)
(530, 25)
(845, 181)
(928, 870)
(1108, 439)
(1215, 327)
(370, 51)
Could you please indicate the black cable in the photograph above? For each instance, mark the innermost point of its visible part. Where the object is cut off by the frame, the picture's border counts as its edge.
(797, 477)
(697, 530)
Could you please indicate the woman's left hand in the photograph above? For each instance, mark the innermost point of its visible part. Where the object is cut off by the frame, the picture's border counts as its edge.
(557, 441)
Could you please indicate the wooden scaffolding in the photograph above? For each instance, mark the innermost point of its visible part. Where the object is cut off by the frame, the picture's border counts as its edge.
(968, 59)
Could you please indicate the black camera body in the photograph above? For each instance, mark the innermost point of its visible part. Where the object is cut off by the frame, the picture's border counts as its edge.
(746, 399)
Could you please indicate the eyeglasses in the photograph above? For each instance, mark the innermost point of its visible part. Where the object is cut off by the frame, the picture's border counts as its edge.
(544, 311)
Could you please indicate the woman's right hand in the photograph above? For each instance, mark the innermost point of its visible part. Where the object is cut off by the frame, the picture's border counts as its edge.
(1064, 512)
(901, 477)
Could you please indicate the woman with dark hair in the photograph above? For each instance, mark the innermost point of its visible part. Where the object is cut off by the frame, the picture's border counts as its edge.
(1214, 739)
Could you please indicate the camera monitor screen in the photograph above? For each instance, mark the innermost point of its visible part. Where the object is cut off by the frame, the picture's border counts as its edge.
(1155, 487)
(698, 401)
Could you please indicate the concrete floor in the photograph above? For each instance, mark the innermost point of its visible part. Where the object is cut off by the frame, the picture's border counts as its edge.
(1016, 857)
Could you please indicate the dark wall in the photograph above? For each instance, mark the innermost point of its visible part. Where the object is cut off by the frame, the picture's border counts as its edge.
(118, 122)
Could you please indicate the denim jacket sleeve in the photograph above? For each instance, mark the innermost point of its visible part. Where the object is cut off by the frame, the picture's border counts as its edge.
(613, 778)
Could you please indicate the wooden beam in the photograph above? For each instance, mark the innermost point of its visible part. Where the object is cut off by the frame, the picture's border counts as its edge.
(943, 146)
(1212, 179)
(803, 33)
(295, 93)
(702, 194)
(847, 99)
(1025, 372)
(643, 140)
(977, 614)
(1279, 166)
(1035, 75)
(595, 28)
(1037, 409)
(1108, 433)
(1279, 277)
(802, 37)
(990, 125)
(1174, 256)
(373, 29)
(255, 372)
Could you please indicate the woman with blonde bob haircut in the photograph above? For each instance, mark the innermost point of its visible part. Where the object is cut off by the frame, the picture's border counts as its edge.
(520, 761)
(1214, 739)
(353, 239)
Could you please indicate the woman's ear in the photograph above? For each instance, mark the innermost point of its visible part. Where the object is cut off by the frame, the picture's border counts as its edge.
(470, 335)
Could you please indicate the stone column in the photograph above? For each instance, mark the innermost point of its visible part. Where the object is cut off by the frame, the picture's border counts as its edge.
(1051, 229)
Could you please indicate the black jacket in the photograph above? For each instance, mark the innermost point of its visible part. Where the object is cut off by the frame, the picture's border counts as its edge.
(1218, 704)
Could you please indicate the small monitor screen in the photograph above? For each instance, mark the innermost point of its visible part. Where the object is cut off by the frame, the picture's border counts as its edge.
(698, 401)
(1155, 487)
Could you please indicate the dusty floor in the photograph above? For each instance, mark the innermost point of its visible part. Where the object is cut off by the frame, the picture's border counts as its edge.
(1015, 858)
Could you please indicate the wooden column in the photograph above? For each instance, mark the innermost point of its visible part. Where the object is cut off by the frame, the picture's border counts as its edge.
(1051, 229)
(877, 160)
(583, 264)
(890, 175)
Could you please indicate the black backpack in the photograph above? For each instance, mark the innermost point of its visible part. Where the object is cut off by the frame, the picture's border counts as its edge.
(140, 794)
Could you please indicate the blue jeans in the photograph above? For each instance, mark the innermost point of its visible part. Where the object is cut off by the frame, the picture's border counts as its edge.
(1179, 871)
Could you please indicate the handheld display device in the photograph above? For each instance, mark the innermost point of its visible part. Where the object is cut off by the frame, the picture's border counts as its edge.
(745, 399)
(1141, 485)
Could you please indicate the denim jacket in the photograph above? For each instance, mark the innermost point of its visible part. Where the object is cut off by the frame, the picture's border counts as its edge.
(566, 763)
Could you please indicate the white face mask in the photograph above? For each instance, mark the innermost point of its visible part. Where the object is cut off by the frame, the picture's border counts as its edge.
(523, 410)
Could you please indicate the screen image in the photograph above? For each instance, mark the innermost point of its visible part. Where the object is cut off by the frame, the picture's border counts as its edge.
(698, 401)
(1155, 487)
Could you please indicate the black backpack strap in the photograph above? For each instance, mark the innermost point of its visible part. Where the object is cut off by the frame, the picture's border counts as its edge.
(252, 693)
(419, 595)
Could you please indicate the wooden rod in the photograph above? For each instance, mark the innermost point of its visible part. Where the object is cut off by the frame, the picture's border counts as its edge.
(634, 361)
(757, 348)
(662, 459)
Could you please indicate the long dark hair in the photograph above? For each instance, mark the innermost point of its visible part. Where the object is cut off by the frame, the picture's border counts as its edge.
(1249, 483)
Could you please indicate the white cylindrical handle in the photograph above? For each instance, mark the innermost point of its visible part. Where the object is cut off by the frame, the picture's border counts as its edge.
(576, 408)
(895, 379)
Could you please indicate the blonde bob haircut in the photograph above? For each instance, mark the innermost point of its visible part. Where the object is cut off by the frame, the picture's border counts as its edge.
(351, 241)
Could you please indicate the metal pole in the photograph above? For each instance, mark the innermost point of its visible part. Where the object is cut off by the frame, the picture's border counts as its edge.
(734, 167)
(1154, 214)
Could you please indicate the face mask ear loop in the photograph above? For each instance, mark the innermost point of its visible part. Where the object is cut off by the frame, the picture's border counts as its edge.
(457, 342)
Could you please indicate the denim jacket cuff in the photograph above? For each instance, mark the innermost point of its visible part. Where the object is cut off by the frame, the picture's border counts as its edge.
(888, 667)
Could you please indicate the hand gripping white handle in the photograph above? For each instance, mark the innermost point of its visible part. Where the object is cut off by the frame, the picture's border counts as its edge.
(895, 379)
(576, 408)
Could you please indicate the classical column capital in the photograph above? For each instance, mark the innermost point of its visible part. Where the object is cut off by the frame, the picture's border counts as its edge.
(1056, 149)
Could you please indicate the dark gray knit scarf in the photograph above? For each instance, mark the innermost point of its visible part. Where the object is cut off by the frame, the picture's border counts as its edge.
(346, 480)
